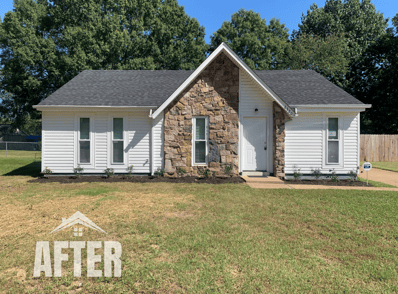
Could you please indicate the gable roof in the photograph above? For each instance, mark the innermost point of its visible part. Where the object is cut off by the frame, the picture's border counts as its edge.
(118, 88)
(158, 88)
(238, 62)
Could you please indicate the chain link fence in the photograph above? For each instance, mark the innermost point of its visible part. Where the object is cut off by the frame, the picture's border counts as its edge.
(20, 146)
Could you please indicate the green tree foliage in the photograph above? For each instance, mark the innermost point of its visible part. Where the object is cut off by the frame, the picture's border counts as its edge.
(326, 55)
(260, 45)
(375, 81)
(358, 20)
(44, 44)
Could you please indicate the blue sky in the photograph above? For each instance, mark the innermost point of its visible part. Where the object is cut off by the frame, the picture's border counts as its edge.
(212, 13)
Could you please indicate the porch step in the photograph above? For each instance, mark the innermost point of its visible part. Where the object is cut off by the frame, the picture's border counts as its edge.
(255, 174)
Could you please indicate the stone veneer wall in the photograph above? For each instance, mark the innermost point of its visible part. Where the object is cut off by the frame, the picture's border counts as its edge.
(215, 93)
(279, 118)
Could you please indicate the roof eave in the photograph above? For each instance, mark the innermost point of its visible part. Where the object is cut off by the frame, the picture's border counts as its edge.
(332, 107)
(104, 107)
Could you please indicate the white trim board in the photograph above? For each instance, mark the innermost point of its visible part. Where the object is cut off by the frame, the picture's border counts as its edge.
(332, 107)
(235, 58)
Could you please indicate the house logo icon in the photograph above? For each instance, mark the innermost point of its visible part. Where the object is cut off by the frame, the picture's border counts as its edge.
(78, 218)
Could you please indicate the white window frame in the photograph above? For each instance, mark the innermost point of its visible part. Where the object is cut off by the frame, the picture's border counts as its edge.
(119, 167)
(118, 140)
(340, 163)
(91, 140)
(205, 140)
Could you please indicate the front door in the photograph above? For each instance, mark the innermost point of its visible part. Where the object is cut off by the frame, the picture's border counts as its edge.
(254, 145)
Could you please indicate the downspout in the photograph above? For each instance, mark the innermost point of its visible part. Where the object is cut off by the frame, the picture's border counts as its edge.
(152, 144)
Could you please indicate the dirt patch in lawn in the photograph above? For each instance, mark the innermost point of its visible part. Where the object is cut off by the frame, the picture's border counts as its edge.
(138, 179)
(328, 183)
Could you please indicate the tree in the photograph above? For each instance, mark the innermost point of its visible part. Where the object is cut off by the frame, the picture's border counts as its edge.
(44, 44)
(260, 46)
(375, 81)
(358, 21)
(327, 55)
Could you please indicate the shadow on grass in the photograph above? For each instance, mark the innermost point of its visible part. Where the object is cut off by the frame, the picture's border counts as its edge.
(31, 169)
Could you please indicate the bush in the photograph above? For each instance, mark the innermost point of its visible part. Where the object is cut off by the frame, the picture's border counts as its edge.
(47, 171)
(333, 176)
(180, 172)
(353, 174)
(316, 173)
(159, 172)
(130, 170)
(78, 170)
(228, 168)
(206, 173)
(296, 173)
(109, 172)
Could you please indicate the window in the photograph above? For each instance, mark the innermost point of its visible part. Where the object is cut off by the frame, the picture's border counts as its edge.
(117, 141)
(200, 140)
(333, 140)
(84, 141)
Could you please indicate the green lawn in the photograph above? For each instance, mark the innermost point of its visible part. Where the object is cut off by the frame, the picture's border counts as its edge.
(20, 163)
(377, 184)
(199, 238)
(393, 166)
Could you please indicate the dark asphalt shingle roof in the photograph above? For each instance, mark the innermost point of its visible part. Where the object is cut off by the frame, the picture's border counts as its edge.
(303, 87)
(118, 88)
(152, 88)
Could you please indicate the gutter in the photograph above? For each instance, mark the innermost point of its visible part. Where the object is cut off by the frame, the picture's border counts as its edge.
(332, 106)
(88, 106)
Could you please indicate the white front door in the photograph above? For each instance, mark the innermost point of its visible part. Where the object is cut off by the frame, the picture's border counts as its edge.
(254, 143)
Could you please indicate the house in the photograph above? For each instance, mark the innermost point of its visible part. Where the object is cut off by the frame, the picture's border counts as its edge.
(222, 113)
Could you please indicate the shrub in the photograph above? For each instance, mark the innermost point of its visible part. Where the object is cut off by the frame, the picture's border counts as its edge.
(353, 174)
(333, 176)
(296, 173)
(228, 168)
(159, 172)
(130, 170)
(316, 173)
(78, 170)
(47, 171)
(206, 173)
(180, 172)
(109, 172)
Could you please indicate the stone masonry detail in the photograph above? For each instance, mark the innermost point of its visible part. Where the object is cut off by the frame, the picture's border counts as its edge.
(279, 117)
(214, 93)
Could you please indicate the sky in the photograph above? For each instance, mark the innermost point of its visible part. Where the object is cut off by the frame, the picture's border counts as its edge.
(212, 13)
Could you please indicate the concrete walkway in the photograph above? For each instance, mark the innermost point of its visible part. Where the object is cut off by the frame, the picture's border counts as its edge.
(265, 182)
(276, 183)
(381, 175)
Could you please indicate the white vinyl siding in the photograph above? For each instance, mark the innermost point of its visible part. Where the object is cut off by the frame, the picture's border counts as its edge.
(158, 142)
(60, 141)
(252, 97)
(101, 141)
(351, 141)
(139, 146)
(306, 139)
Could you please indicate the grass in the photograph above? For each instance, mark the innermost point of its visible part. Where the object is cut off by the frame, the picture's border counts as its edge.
(179, 238)
(20, 163)
(376, 184)
(392, 166)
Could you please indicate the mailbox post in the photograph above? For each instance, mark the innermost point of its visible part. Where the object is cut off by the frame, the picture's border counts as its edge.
(367, 166)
